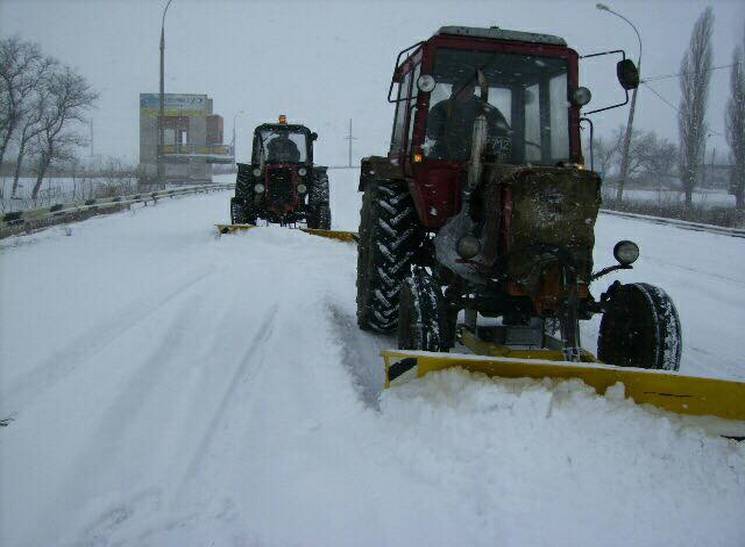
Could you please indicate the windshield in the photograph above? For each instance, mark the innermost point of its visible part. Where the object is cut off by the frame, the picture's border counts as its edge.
(281, 145)
(527, 112)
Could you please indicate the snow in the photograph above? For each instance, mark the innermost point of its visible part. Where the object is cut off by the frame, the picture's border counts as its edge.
(170, 387)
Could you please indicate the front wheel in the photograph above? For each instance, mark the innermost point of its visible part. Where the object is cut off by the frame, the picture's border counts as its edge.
(236, 211)
(421, 314)
(640, 328)
(389, 237)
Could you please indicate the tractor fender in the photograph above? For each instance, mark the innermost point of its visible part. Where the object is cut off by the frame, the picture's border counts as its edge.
(377, 168)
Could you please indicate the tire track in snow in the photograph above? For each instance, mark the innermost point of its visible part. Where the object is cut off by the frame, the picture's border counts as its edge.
(121, 414)
(246, 370)
(64, 361)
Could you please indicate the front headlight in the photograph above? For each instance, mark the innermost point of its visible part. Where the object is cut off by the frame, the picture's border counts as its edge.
(468, 246)
(302, 188)
(425, 83)
(626, 252)
(257, 172)
(302, 171)
(581, 96)
(259, 188)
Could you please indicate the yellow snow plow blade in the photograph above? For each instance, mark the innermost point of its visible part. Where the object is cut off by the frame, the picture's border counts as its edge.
(666, 390)
(350, 237)
(232, 228)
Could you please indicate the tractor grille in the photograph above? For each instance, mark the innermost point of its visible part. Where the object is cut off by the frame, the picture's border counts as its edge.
(279, 188)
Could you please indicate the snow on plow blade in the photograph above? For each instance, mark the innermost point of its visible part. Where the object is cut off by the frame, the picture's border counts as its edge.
(340, 235)
(685, 395)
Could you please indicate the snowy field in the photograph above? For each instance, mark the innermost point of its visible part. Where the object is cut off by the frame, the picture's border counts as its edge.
(168, 387)
(61, 190)
(665, 197)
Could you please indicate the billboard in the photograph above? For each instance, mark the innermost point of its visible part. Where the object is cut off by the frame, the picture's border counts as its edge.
(175, 104)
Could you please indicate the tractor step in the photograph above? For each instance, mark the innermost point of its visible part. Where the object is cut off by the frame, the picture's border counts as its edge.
(713, 404)
(350, 237)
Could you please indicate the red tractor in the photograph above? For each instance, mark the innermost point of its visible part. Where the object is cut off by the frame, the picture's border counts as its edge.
(484, 208)
(282, 184)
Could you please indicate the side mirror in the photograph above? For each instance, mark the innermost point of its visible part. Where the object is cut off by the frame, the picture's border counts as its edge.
(313, 136)
(628, 74)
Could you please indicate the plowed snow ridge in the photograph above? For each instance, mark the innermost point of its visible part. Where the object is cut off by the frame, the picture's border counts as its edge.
(173, 388)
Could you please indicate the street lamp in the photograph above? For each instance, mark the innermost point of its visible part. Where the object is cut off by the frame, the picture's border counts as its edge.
(627, 137)
(233, 141)
(161, 167)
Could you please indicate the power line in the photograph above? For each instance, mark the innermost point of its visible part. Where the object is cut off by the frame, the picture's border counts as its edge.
(671, 105)
(660, 97)
(679, 74)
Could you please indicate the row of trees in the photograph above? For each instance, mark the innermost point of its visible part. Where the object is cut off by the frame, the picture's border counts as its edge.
(650, 157)
(656, 158)
(42, 107)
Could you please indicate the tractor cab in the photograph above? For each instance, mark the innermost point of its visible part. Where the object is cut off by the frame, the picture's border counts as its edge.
(525, 84)
(291, 145)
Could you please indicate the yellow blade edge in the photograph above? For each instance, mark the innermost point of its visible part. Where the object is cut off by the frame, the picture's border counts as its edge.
(349, 237)
(670, 391)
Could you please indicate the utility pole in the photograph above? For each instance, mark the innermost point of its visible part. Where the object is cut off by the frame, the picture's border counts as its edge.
(90, 125)
(161, 140)
(350, 138)
(632, 108)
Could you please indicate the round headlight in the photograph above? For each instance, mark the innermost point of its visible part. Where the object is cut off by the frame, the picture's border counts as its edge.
(425, 83)
(259, 188)
(468, 247)
(581, 96)
(257, 172)
(626, 252)
(302, 171)
(302, 188)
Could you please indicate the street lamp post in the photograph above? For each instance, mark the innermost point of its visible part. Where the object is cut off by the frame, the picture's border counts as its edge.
(161, 166)
(233, 140)
(632, 108)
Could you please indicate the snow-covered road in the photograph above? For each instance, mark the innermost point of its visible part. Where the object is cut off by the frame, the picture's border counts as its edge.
(169, 387)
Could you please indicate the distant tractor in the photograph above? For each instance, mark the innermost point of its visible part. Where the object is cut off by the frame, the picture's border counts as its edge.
(282, 184)
(484, 207)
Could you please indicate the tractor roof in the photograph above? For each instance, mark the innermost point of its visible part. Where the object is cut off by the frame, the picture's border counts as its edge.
(295, 128)
(496, 33)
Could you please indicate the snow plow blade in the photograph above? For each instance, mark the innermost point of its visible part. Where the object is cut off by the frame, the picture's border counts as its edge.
(340, 235)
(349, 237)
(685, 395)
(232, 228)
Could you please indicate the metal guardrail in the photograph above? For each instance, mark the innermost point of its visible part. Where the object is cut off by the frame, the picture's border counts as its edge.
(20, 222)
(31, 220)
(684, 224)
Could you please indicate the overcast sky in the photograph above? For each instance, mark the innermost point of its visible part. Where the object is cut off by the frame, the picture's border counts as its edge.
(324, 62)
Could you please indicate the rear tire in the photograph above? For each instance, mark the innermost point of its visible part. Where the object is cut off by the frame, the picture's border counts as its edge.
(319, 212)
(640, 328)
(240, 214)
(389, 237)
(421, 314)
(324, 217)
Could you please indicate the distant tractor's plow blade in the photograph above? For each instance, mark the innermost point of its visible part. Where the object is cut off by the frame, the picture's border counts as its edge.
(685, 395)
(232, 228)
(340, 235)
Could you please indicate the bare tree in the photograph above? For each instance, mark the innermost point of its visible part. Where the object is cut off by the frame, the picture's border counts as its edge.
(606, 152)
(695, 66)
(70, 96)
(657, 157)
(734, 120)
(22, 66)
(29, 129)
